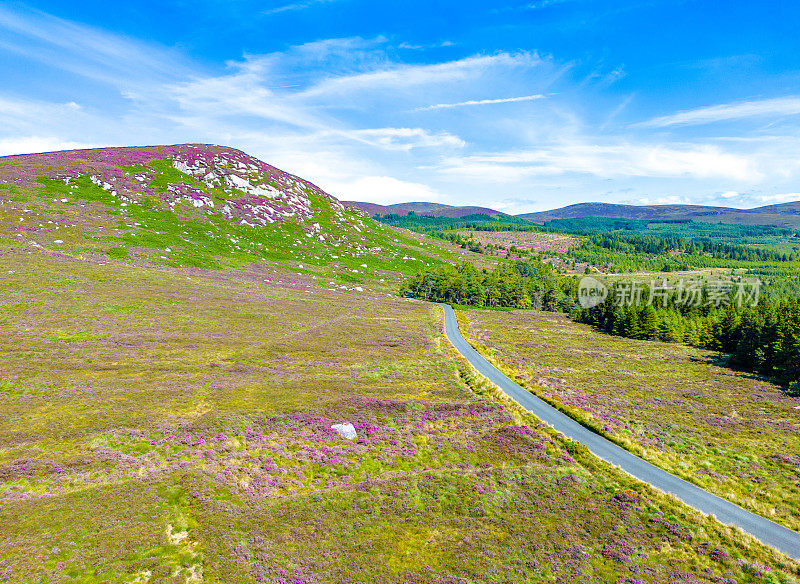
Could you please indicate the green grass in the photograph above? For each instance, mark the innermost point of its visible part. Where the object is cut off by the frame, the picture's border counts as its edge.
(160, 425)
(81, 219)
(731, 433)
(168, 381)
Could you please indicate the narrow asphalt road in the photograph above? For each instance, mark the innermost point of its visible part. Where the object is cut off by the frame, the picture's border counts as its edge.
(763, 529)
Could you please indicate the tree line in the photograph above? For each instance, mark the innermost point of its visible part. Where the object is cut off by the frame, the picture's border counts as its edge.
(762, 337)
(524, 285)
(456, 238)
(430, 224)
(635, 243)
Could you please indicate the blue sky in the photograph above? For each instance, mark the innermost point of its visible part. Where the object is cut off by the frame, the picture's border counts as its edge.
(519, 106)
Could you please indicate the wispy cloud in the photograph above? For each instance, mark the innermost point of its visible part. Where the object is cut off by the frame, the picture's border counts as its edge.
(540, 4)
(25, 144)
(21, 119)
(481, 102)
(780, 106)
(406, 138)
(390, 76)
(779, 198)
(84, 50)
(294, 6)
(414, 47)
(606, 161)
(354, 116)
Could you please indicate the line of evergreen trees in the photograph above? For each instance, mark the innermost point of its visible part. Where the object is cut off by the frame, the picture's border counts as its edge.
(635, 243)
(477, 222)
(525, 285)
(456, 238)
(685, 228)
(763, 339)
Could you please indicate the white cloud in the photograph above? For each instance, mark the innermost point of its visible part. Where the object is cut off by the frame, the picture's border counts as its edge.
(610, 161)
(294, 6)
(12, 109)
(224, 101)
(782, 106)
(382, 190)
(666, 200)
(35, 144)
(413, 47)
(745, 200)
(481, 102)
(22, 118)
(239, 93)
(406, 138)
(780, 198)
(401, 76)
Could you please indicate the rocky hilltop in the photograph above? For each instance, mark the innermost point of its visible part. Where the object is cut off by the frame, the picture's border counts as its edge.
(191, 204)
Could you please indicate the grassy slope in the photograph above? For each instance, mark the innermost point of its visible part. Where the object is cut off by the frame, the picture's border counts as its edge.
(169, 379)
(147, 210)
(732, 434)
(170, 428)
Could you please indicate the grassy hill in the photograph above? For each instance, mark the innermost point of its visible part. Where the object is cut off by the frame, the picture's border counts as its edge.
(181, 331)
(780, 209)
(194, 206)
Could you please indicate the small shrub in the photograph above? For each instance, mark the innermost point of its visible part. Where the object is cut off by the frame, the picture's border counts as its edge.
(118, 252)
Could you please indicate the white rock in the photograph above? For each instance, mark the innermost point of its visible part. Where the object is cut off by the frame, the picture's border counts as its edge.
(182, 167)
(345, 431)
(58, 241)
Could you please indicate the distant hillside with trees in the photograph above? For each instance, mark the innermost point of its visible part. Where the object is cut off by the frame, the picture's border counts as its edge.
(763, 339)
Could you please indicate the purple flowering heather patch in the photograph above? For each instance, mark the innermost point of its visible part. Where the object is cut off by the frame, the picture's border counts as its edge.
(729, 433)
(167, 424)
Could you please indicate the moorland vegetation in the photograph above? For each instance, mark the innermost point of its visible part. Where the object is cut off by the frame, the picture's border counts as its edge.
(184, 325)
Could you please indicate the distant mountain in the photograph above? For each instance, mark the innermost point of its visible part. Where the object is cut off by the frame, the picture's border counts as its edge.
(652, 212)
(372, 208)
(422, 208)
(780, 209)
(458, 212)
(783, 215)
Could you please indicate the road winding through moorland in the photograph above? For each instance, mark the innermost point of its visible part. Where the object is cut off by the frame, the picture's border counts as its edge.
(768, 532)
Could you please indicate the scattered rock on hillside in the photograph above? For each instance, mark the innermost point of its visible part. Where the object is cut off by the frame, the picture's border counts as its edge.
(345, 431)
